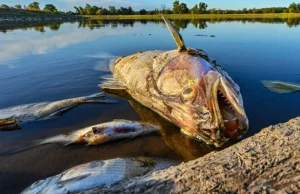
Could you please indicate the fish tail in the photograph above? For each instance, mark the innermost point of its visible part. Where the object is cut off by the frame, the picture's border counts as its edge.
(97, 95)
(33, 144)
(97, 98)
(58, 139)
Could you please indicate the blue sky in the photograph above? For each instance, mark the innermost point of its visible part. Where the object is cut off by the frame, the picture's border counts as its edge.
(66, 5)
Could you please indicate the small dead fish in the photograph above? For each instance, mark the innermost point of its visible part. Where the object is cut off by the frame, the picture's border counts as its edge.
(44, 110)
(281, 87)
(97, 174)
(96, 134)
(115, 130)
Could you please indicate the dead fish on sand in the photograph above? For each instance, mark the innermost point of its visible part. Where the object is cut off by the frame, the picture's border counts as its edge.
(281, 87)
(184, 86)
(11, 117)
(96, 134)
(97, 174)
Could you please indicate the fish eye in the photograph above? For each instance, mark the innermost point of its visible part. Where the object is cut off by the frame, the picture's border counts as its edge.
(94, 129)
(188, 93)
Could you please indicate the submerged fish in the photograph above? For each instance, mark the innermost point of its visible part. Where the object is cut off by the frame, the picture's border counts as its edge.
(96, 134)
(184, 86)
(281, 87)
(10, 117)
(96, 174)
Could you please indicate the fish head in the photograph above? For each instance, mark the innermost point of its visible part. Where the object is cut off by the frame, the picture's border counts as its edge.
(95, 136)
(201, 99)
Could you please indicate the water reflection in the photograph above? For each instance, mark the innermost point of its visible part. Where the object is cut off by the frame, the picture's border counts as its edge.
(40, 26)
(112, 23)
(14, 47)
(183, 23)
(186, 147)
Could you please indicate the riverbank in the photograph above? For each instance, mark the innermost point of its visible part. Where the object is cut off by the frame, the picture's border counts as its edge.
(196, 16)
(19, 15)
(267, 162)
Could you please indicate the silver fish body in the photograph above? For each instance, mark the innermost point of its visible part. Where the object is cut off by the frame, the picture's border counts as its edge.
(43, 110)
(115, 130)
(96, 174)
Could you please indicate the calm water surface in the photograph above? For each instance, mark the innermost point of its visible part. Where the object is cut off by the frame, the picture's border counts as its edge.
(59, 61)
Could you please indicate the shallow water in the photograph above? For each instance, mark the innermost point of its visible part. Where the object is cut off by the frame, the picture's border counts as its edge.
(59, 61)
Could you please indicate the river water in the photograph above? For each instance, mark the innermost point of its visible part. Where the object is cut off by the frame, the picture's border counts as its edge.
(48, 62)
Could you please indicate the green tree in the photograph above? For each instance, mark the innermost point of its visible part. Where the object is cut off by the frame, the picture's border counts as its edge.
(143, 12)
(34, 6)
(94, 10)
(202, 7)
(213, 11)
(4, 6)
(176, 8)
(50, 8)
(245, 10)
(18, 6)
(130, 10)
(99, 11)
(77, 10)
(81, 11)
(195, 9)
(112, 9)
(183, 9)
(88, 9)
(294, 8)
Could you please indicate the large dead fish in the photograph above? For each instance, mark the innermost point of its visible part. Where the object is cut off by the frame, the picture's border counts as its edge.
(97, 174)
(11, 117)
(186, 87)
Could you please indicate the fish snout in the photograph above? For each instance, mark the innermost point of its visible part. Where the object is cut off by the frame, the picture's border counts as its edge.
(225, 105)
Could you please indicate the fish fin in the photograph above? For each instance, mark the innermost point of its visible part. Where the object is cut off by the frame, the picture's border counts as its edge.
(97, 95)
(107, 76)
(112, 84)
(98, 98)
(58, 113)
(281, 87)
(175, 33)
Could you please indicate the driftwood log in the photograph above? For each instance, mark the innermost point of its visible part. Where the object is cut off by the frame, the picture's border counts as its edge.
(268, 162)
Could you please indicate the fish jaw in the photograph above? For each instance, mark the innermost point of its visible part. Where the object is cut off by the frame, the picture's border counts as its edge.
(228, 119)
(215, 115)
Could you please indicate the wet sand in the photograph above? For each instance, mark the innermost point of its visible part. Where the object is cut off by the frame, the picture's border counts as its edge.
(22, 169)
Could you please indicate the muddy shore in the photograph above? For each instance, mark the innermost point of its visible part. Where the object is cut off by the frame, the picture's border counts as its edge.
(268, 162)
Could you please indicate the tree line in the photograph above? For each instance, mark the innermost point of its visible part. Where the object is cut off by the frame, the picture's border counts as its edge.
(181, 8)
(177, 8)
(35, 6)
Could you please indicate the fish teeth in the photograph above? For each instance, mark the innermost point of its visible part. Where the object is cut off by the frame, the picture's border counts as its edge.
(234, 119)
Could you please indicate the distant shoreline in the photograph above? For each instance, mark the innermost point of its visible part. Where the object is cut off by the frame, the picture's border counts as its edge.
(16, 15)
(197, 16)
(38, 16)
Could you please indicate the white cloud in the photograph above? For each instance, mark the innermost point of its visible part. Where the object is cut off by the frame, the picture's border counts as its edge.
(26, 45)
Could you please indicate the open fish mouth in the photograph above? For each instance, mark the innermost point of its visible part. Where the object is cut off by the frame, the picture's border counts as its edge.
(228, 110)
